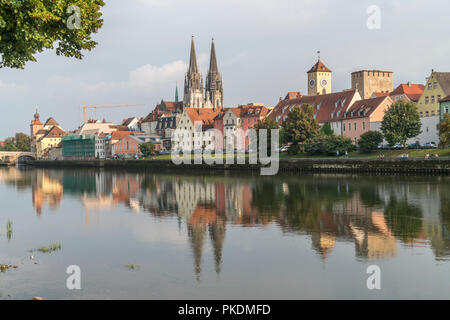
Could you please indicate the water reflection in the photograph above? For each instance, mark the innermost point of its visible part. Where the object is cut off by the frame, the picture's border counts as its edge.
(376, 214)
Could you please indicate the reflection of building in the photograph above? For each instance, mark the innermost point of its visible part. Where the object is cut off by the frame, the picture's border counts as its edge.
(205, 218)
(372, 217)
(46, 190)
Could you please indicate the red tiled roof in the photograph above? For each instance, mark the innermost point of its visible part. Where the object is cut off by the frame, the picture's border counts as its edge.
(117, 135)
(293, 95)
(381, 94)
(406, 88)
(319, 66)
(328, 107)
(248, 111)
(51, 122)
(55, 132)
(364, 108)
(205, 115)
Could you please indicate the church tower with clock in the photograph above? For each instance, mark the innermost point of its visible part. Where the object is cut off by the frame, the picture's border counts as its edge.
(319, 79)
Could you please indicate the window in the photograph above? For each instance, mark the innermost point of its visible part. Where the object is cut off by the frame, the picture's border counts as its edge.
(349, 127)
(432, 99)
(429, 86)
(355, 126)
(435, 85)
(364, 126)
(446, 109)
(427, 100)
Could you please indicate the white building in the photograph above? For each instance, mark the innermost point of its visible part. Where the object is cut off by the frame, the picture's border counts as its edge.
(194, 130)
(100, 145)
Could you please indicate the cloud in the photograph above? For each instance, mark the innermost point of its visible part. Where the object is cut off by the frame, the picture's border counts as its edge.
(11, 88)
(149, 77)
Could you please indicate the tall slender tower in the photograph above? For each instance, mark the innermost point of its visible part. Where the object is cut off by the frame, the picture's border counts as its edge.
(214, 86)
(319, 79)
(193, 83)
(35, 126)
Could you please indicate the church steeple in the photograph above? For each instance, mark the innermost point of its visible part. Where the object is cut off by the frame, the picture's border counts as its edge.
(193, 83)
(214, 87)
(213, 60)
(193, 67)
(176, 93)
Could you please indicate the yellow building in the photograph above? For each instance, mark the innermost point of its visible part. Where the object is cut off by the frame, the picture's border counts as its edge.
(51, 139)
(436, 88)
(319, 79)
(45, 136)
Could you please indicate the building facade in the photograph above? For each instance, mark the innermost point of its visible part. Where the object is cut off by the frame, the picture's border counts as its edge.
(319, 79)
(78, 147)
(367, 82)
(363, 116)
(445, 106)
(437, 87)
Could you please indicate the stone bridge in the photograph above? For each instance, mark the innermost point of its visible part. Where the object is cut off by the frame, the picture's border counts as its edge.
(13, 157)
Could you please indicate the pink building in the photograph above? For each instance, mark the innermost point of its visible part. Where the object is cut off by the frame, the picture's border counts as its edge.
(363, 116)
(241, 118)
(128, 146)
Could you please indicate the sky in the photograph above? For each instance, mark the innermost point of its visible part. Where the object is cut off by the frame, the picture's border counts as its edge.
(264, 49)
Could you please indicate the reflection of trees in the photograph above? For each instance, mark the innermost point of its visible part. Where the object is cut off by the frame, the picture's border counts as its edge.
(405, 220)
(371, 211)
(370, 195)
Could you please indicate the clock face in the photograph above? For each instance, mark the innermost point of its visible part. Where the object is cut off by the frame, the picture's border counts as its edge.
(312, 83)
(324, 83)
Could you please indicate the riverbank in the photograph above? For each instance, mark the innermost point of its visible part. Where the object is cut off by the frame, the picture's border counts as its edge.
(390, 166)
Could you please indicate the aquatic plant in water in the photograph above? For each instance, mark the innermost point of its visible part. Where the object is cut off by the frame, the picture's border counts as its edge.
(51, 248)
(132, 266)
(5, 267)
(9, 229)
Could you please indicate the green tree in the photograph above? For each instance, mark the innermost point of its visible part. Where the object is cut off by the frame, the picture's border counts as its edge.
(369, 141)
(21, 142)
(401, 122)
(326, 129)
(444, 130)
(300, 126)
(268, 124)
(147, 148)
(328, 144)
(28, 27)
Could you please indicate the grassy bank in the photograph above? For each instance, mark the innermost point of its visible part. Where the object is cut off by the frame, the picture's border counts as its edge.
(412, 153)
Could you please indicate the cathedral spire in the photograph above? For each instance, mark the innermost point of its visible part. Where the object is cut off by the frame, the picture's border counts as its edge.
(193, 67)
(214, 87)
(213, 61)
(176, 93)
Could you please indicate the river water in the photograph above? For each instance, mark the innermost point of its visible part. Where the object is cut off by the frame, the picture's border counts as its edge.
(224, 235)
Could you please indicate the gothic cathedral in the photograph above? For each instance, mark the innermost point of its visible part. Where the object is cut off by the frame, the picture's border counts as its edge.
(196, 95)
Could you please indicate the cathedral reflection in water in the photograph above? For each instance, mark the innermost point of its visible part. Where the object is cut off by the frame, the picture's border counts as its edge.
(377, 214)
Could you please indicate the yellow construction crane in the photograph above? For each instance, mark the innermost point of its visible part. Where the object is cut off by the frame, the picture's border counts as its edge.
(106, 107)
